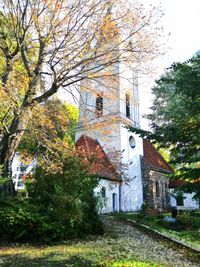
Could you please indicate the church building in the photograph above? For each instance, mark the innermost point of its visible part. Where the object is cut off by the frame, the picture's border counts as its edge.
(144, 180)
(105, 113)
(107, 106)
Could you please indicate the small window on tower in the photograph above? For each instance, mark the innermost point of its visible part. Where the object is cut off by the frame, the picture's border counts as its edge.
(127, 106)
(99, 105)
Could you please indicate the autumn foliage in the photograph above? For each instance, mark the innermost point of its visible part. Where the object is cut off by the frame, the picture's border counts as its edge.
(48, 45)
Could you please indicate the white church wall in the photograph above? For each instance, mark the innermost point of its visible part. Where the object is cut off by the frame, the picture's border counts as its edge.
(103, 128)
(106, 204)
(132, 190)
(188, 201)
(130, 152)
(128, 83)
(108, 136)
(110, 93)
(86, 107)
(88, 96)
(172, 199)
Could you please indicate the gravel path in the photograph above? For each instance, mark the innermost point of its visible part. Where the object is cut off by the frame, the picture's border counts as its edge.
(146, 247)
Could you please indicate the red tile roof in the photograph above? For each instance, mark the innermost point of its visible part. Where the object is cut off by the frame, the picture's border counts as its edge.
(179, 183)
(154, 159)
(99, 163)
(176, 183)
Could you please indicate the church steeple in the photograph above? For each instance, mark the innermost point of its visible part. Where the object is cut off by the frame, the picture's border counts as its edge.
(109, 31)
(109, 103)
(109, 9)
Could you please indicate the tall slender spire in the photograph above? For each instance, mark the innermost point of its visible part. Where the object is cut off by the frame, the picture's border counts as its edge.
(109, 9)
(109, 29)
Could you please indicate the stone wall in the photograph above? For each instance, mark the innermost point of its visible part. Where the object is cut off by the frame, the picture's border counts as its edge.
(155, 187)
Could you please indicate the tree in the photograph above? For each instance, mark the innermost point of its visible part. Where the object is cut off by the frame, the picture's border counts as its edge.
(175, 119)
(46, 45)
(59, 204)
(59, 201)
(52, 128)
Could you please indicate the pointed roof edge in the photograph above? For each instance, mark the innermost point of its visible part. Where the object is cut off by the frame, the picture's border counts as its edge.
(178, 183)
(154, 159)
(88, 146)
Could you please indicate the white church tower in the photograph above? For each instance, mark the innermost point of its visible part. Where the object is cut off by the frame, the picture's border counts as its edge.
(107, 106)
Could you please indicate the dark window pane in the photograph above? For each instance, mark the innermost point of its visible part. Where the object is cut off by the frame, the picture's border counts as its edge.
(103, 192)
(127, 106)
(157, 189)
(179, 201)
(99, 105)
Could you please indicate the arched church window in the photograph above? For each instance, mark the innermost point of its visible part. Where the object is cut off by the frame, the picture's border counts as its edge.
(132, 142)
(103, 192)
(157, 189)
(166, 188)
(99, 105)
(127, 105)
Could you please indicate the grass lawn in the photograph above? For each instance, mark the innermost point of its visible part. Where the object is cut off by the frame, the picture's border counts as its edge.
(121, 246)
(100, 252)
(189, 236)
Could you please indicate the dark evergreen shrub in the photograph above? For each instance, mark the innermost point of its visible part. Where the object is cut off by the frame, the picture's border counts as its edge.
(59, 206)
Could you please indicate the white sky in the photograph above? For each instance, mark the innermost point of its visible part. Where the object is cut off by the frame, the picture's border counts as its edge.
(182, 20)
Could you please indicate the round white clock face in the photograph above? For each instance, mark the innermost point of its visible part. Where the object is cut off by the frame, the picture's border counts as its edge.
(132, 142)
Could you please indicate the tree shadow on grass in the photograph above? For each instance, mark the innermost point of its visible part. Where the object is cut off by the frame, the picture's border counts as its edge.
(20, 260)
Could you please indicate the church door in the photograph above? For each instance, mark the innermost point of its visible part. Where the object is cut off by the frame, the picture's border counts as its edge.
(114, 202)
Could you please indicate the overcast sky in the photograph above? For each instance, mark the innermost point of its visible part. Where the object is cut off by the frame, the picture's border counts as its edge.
(182, 20)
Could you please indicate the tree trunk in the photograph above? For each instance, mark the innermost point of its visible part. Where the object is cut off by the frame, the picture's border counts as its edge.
(11, 140)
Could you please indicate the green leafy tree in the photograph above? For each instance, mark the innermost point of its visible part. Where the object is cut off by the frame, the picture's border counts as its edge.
(175, 119)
